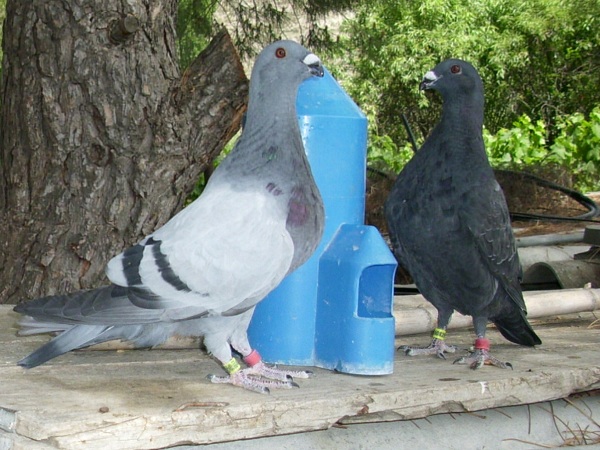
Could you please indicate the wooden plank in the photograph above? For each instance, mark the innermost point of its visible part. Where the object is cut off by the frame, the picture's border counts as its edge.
(160, 398)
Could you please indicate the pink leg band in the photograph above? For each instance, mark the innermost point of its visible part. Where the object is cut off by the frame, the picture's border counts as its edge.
(253, 358)
(482, 344)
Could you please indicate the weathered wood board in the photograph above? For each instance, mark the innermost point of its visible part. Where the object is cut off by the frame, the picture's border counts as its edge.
(159, 398)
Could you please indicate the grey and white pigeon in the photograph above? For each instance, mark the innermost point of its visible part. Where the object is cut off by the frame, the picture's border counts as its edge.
(259, 218)
(449, 223)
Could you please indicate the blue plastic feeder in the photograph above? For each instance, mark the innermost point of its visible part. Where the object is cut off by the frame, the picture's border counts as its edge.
(335, 310)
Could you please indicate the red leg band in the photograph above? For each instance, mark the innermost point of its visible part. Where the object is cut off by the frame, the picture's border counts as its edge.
(482, 344)
(253, 358)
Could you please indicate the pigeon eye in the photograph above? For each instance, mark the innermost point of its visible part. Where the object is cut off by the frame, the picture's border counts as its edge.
(455, 68)
(280, 52)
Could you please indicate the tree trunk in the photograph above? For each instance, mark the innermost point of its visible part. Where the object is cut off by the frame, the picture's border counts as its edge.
(102, 138)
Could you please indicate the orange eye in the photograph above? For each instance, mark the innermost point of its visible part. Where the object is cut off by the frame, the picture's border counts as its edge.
(455, 68)
(280, 52)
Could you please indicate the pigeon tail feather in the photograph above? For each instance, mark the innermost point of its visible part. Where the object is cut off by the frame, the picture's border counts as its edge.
(516, 328)
(73, 338)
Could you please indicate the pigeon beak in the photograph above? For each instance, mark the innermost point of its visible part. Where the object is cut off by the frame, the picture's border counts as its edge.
(428, 80)
(314, 64)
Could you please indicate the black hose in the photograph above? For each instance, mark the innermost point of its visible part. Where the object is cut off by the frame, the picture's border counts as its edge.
(411, 136)
(586, 202)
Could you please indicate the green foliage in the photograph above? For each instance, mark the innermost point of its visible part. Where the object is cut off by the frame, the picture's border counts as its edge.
(576, 146)
(538, 58)
(384, 154)
(194, 28)
(523, 144)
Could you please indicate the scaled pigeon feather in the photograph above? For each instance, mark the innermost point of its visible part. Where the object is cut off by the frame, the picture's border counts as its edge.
(258, 219)
(449, 223)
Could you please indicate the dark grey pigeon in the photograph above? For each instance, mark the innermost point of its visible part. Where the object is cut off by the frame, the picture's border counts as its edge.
(259, 218)
(449, 223)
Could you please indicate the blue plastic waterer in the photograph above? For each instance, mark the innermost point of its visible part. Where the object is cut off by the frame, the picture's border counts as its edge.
(335, 311)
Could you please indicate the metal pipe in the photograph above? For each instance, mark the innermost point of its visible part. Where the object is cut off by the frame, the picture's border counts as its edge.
(550, 239)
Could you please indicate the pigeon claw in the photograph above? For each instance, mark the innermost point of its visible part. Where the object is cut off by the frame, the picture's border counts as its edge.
(480, 357)
(261, 378)
(437, 347)
(246, 381)
(274, 373)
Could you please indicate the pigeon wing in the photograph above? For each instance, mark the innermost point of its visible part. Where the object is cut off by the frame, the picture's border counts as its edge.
(485, 215)
(221, 251)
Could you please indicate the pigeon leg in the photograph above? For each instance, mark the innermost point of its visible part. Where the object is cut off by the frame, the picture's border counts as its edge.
(239, 341)
(438, 345)
(261, 369)
(258, 377)
(481, 355)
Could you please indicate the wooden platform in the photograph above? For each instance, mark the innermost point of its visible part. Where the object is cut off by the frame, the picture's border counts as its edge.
(160, 398)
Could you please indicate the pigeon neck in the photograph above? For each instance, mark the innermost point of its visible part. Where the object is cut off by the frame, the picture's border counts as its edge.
(263, 113)
(270, 136)
(464, 112)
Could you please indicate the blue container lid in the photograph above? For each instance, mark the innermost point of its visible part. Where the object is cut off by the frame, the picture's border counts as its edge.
(325, 97)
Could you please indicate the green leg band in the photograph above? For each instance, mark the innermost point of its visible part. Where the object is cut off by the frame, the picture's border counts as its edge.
(232, 366)
(439, 334)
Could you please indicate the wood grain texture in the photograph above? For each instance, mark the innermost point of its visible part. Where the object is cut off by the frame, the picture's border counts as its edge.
(101, 139)
(159, 398)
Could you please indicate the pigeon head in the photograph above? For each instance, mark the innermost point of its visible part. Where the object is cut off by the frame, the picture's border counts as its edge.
(452, 76)
(285, 63)
(278, 71)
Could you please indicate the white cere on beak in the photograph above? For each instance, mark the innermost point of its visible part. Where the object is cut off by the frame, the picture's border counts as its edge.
(311, 59)
(430, 76)
(314, 64)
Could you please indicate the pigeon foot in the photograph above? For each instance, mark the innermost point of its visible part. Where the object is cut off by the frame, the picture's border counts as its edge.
(437, 347)
(481, 357)
(262, 378)
(279, 374)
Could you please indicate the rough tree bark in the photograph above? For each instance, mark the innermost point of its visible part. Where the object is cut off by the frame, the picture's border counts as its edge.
(101, 136)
